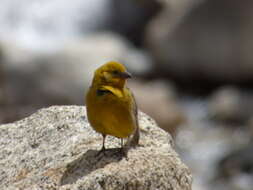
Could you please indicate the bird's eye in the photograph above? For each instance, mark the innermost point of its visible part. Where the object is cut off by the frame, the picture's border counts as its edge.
(115, 72)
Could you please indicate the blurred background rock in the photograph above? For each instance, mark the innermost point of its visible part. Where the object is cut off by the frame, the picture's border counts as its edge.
(191, 60)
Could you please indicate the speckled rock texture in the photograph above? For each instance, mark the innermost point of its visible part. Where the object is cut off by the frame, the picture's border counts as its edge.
(56, 148)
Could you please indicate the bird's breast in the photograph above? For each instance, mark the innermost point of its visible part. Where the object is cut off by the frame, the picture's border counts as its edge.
(109, 114)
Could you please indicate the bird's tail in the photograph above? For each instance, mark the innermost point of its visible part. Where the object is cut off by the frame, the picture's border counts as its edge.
(133, 141)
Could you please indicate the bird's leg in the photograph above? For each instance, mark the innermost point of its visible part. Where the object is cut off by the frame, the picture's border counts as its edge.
(103, 146)
(102, 150)
(122, 142)
(123, 149)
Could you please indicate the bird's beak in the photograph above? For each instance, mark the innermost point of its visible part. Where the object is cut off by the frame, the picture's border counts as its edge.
(125, 75)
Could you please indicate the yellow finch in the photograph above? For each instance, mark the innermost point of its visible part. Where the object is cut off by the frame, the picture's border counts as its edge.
(111, 106)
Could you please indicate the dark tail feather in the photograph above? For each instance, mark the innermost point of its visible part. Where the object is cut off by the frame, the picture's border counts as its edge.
(134, 139)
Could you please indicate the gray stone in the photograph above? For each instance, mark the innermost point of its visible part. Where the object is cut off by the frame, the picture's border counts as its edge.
(55, 148)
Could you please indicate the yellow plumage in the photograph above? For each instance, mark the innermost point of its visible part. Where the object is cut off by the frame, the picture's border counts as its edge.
(111, 107)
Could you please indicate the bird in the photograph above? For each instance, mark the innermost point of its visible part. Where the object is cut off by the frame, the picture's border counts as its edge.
(111, 106)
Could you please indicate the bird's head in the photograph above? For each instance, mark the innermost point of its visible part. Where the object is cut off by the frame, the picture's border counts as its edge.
(112, 73)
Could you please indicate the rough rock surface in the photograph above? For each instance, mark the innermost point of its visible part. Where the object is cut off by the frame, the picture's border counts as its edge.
(55, 148)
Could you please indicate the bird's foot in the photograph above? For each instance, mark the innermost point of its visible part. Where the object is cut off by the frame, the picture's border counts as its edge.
(101, 151)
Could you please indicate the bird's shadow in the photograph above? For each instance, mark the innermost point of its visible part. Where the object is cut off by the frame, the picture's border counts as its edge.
(88, 162)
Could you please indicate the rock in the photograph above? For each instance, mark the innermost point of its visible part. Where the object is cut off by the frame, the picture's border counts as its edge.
(158, 100)
(194, 41)
(55, 148)
(63, 77)
(230, 104)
